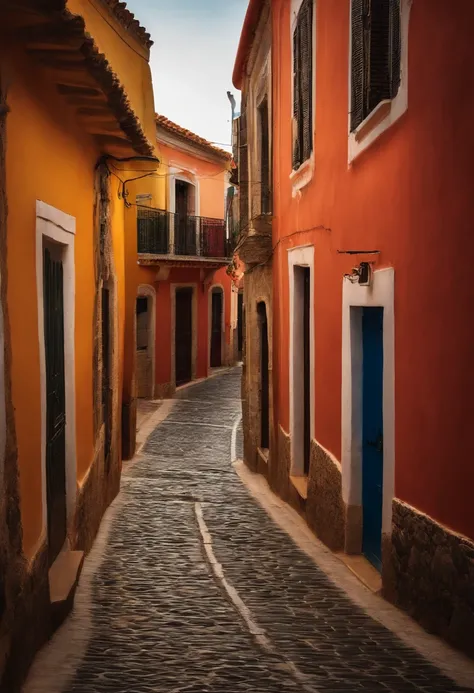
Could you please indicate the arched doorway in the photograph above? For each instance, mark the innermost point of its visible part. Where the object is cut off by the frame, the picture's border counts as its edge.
(145, 341)
(217, 315)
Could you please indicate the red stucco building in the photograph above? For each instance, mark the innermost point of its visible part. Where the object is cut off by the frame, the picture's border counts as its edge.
(370, 357)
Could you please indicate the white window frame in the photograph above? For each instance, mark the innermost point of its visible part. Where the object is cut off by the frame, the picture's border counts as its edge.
(301, 177)
(388, 111)
(56, 226)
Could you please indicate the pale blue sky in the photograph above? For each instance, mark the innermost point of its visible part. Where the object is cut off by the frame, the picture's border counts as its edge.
(192, 60)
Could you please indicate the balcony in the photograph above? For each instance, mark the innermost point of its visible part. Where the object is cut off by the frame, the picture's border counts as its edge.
(175, 237)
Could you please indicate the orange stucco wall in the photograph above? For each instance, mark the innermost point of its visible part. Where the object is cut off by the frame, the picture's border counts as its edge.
(410, 196)
(126, 55)
(211, 177)
(53, 163)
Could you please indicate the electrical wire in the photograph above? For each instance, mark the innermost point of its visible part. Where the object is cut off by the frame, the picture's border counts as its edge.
(117, 32)
(320, 227)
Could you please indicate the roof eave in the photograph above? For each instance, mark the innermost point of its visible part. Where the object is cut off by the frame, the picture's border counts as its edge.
(247, 36)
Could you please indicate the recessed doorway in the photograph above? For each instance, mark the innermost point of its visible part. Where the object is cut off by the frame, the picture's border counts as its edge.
(184, 335)
(217, 308)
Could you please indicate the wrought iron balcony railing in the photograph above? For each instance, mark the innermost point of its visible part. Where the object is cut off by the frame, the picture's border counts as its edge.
(167, 233)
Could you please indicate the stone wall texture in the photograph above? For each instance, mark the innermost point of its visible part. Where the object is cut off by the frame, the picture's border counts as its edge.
(144, 366)
(279, 467)
(432, 571)
(257, 287)
(324, 506)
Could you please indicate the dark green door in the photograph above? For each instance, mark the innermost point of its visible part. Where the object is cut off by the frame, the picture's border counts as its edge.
(53, 292)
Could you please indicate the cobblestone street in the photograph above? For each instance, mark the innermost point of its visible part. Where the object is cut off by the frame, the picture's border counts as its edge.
(191, 586)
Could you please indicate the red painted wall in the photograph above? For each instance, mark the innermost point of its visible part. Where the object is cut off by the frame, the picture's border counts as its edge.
(184, 275)
(410, 195)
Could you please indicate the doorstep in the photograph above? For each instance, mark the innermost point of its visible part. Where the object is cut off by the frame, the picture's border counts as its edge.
(363, 570)
(63, 579)
(301, 485)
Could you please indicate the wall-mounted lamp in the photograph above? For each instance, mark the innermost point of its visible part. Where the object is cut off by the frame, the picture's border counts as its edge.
(362, 274)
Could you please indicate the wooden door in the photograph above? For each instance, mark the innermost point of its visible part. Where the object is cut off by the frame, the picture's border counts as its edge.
(306, 369)
(372, 434)
(216, 329)
(184, 335)
(240, 321)
(53, 292)
(106, 376)
(264, 379)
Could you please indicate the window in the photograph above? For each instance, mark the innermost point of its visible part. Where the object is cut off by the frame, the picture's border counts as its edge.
(376, 55)
(243, 169)
(264, 141)
(303, 85)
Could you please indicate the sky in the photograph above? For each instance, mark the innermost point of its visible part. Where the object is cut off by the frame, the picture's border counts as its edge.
(195, 44)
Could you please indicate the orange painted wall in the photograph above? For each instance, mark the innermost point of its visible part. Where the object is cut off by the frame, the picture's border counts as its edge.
(409, 195)
(48, 159)
(127, 56)
(183, 275)
(211, 178)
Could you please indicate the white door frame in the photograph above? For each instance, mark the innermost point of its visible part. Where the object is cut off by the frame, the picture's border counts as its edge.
(302, 256)
(379, 294)
(56, 226)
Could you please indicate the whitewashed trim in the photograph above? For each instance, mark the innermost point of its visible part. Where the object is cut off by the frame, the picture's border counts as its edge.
(59, 227)
(398, 105)
(379, 294)
(302, 256)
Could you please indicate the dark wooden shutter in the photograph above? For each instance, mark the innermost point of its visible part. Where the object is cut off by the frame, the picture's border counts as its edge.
(357, 63)
(303, 84)
(396, 47)
(243, 172)
(296, 99)
(265, 206)
(306, 50)
(380, 63)
(376, 55)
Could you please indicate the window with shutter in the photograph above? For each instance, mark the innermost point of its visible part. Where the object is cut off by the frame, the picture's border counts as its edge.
(265, 194)
(303, 84)
(243, 173)
(375, 55)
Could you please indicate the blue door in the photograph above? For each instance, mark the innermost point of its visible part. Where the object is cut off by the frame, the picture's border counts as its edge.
(372, 434)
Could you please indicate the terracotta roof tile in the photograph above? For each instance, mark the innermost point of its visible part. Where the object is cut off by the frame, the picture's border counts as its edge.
(127, 20)
(185, 134)
(118, 8)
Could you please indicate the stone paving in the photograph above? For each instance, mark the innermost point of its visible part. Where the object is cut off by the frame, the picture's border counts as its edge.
(161, 617)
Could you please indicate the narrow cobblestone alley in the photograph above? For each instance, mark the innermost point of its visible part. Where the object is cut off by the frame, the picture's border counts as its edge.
(154, 612)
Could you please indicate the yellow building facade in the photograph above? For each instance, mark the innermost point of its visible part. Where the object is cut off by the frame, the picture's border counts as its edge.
(76, 121)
